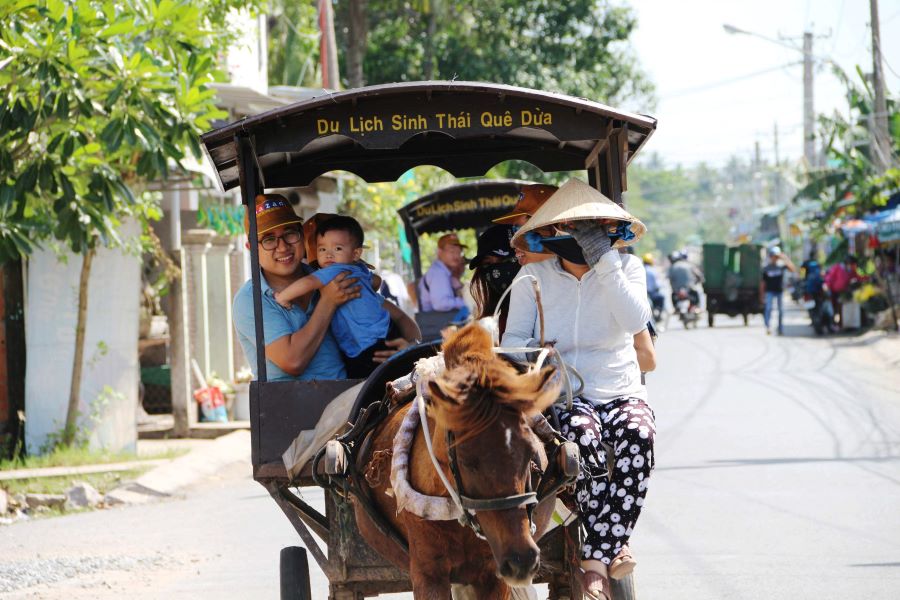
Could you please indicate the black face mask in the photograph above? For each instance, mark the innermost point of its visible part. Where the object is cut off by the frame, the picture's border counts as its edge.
(567, 249)
(500, 276)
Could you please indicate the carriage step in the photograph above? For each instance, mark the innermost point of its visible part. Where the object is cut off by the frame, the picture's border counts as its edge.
(335, 458)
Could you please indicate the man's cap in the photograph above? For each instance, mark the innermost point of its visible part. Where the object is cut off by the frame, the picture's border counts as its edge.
(577, 201)
(449, 239)
(531, 198)
(494, 241)
(272, 210)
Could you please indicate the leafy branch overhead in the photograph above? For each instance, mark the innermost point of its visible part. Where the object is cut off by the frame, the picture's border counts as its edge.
(98, 98)
(578, 47)
(852, 171)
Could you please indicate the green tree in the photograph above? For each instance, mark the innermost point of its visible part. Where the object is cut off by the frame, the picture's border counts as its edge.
(578, 47)
(851, 170)
(98, 98)
(293, 44)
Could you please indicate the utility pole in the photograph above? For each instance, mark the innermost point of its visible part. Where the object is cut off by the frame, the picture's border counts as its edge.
(777, 167)
(809, 115)
(882, 154)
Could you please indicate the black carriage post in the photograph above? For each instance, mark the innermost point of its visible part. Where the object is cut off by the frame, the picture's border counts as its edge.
(249, 189)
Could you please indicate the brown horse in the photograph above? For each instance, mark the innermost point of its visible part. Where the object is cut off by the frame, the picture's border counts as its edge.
(487, 404)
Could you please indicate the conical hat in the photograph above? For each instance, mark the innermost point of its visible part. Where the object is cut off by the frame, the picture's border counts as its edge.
(577, 201)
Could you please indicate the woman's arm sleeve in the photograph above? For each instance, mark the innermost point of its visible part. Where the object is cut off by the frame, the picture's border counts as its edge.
(624, 291)
(520, 321)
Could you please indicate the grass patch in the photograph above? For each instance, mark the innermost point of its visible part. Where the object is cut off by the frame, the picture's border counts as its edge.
(74, 457)
(103, 482)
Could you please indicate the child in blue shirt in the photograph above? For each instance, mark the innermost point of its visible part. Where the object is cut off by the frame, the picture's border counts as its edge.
(361, 325)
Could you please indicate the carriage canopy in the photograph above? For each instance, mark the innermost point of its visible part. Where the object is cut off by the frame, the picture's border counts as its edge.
(465, 128)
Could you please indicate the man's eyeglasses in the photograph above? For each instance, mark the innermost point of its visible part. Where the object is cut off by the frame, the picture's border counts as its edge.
(290, 237)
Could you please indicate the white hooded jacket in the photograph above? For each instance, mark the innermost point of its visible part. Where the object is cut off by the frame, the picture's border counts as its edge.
(592, 321)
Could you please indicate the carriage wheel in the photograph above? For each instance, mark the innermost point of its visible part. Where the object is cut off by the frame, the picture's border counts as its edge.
(294, 574)
(623, 589)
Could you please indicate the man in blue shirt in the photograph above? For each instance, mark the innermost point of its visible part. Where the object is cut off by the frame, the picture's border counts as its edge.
(362, 325)
(298, 342)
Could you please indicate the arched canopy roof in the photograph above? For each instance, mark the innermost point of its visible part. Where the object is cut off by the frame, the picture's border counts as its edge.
(472, 204)
(465, 128)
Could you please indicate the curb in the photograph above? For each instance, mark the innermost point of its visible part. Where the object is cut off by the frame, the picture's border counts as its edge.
(167, 479)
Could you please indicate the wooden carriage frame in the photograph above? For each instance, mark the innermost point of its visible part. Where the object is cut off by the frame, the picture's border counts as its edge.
(378, 133)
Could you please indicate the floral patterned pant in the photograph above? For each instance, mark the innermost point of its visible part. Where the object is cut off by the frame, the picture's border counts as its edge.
(610, 503)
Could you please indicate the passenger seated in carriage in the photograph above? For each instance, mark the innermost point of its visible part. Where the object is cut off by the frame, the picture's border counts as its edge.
(298, 341)
(594, 308)
(361, 326)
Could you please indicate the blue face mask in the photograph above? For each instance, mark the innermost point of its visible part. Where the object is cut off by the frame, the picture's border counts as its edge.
(534, 241)
(622, 231)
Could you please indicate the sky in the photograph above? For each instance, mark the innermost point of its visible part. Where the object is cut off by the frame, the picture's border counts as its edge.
(712, 101)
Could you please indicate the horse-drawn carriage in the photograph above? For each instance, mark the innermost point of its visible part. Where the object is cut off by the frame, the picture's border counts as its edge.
(378, 133)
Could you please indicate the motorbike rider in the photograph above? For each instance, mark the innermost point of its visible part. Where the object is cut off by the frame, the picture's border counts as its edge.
(814, 289)
(657, 300)
(684, 274)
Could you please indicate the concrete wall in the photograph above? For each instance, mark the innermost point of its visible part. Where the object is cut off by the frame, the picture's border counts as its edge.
(50, 316)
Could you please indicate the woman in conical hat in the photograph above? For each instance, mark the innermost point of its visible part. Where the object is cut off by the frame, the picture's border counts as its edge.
(594, 303)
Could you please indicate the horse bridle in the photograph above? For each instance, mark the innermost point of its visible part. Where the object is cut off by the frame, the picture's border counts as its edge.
(562, 470)
(470, 506)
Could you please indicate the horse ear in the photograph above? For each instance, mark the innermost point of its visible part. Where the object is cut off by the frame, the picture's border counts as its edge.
(544, 389)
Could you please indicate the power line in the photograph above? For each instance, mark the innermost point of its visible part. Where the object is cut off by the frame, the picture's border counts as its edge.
(715, 84)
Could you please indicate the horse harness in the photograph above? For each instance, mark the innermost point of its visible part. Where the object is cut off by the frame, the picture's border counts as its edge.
(562, 470)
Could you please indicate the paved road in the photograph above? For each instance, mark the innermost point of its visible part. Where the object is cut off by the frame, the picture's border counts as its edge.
(778, 477)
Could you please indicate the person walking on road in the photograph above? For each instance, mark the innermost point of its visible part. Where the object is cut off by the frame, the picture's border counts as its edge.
(772, 286)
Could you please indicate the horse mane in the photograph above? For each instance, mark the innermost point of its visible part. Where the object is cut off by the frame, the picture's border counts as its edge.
(477, 385)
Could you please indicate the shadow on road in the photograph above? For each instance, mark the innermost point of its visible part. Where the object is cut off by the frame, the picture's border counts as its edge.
(755, 462)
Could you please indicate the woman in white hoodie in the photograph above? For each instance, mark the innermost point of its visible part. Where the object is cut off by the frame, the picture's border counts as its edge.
(595, 308)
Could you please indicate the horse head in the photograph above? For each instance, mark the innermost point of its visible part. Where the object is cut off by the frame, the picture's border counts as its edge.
(487, 405)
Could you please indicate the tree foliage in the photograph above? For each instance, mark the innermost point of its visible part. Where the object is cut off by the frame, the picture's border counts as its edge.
(578, 47)
(689, 206)
(851, 171)
(293, 44)
(98, 98)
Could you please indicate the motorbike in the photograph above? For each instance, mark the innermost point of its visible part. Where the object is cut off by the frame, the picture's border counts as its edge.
(821, 314)
(686, 307)
(658, 311)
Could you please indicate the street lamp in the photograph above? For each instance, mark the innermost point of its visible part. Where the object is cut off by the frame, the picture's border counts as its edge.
(809, 135)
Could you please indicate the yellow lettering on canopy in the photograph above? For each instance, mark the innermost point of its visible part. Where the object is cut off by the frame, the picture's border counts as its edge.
(324, 126)
(366, 124)
(491, 120)
(536, 118)
(408, 122)
(501, 201)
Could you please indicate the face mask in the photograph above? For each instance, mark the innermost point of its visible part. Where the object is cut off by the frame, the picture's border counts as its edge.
(500, 276)
(565, 247)
(621, 231)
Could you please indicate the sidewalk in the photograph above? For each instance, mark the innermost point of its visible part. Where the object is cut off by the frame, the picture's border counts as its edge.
(204, 459)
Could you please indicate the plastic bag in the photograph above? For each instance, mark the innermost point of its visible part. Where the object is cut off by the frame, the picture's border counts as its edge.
(212, 404)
